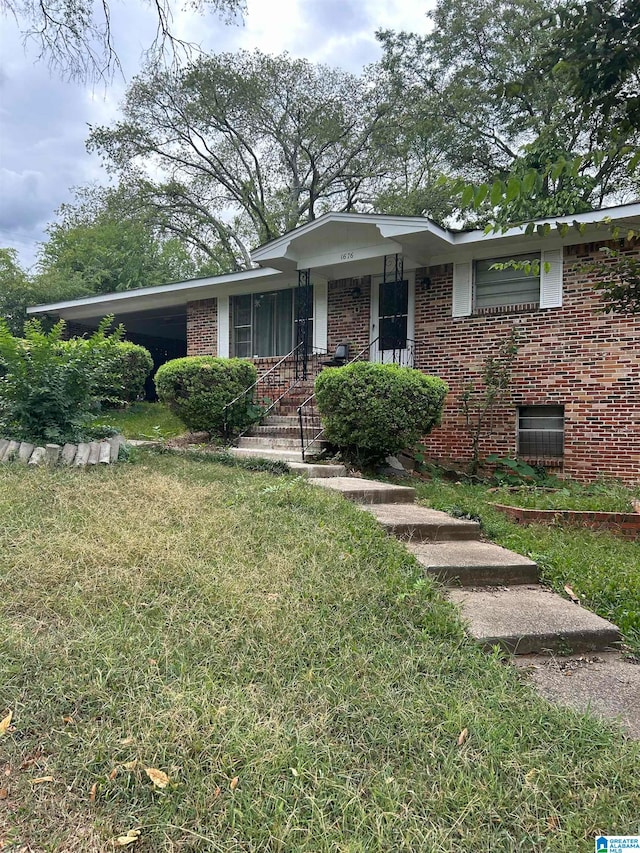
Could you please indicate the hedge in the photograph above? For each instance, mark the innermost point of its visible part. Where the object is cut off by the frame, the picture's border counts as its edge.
(197, 388)
(371, 411)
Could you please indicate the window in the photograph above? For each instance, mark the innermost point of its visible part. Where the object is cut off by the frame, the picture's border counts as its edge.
(495, 288)
(266, 324)
(540, 431)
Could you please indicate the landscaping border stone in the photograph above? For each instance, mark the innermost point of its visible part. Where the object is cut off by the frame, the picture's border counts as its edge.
(625, 524)
(80, 455)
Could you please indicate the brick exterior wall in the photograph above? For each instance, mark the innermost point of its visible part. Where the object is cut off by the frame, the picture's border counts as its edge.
(574, 356)
(202, 327)
(348, 314)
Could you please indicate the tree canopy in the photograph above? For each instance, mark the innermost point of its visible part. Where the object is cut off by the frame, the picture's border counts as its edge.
(237, 149)
(488, 93)
(76, 36)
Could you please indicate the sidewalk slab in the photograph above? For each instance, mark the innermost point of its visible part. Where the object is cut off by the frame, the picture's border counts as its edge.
(474, 563)
(605, 684)
(366, 491)
(420, 524)
(527, 619)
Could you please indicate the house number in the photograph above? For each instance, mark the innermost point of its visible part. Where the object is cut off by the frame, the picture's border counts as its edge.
(346, 256)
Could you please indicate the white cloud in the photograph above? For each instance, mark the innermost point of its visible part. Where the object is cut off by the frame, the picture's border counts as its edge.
(44, 120)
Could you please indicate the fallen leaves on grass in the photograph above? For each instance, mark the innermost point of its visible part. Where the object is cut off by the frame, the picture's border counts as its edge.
(571, 594)
(5, 723)
(464, 734)
(159, 779)
(234, 783)
(40, 779)
(93, 792)
(130, 838)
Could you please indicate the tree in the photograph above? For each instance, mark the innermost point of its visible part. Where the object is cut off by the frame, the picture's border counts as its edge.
(239, 148)
(76, 37)
(18, 290)
(103, 243)
(483, 95)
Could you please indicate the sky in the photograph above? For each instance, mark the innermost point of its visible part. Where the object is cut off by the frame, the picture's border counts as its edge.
(44, 119)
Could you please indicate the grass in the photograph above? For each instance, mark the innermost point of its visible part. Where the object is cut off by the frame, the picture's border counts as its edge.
(603, 569)
(287, 666)
(603, 496)
(143, 421)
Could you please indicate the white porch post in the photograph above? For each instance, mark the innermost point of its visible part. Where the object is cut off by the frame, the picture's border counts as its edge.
(224, 331)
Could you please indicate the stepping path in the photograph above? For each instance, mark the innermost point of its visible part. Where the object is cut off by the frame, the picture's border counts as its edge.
(503, 604)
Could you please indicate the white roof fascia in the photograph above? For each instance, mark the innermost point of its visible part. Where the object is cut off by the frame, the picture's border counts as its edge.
(162, 289)
(592, 217)
(388, 226)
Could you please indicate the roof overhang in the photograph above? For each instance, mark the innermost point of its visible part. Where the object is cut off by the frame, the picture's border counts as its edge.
(342, 245)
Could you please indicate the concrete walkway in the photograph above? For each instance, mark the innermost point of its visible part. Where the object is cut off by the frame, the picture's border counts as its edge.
(503, 604)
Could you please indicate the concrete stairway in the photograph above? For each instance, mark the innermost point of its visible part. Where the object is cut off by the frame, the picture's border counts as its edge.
(497, 591)
(277, 437)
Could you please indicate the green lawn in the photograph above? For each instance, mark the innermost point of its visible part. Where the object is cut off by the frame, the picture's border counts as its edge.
(603, 569)
(606, 496)
(143, 421)
(286, 665)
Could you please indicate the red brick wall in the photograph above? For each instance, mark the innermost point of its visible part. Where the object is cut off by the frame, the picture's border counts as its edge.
(574, 356)
(202, 327)
(349, 314)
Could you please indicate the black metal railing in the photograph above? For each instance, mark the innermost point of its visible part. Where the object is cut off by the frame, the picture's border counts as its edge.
(309, 421)
(272, 386)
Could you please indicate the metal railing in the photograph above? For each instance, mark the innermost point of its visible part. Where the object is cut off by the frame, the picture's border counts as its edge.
(309, 420)
(272, 386)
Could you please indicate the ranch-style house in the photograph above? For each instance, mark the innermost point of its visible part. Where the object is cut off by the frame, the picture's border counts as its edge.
(403, 289)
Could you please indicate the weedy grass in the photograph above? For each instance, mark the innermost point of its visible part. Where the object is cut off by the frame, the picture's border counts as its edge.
(283, 662)
(143, 421)
(601, 496)
(603, 569)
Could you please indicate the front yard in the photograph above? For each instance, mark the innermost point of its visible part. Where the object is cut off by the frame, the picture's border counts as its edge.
(284, 663)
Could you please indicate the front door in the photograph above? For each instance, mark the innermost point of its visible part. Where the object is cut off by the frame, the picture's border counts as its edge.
(392, 311)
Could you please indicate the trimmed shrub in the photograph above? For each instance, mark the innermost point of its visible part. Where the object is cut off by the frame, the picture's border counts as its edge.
(197, 388)
(373, 410)
(121, 374)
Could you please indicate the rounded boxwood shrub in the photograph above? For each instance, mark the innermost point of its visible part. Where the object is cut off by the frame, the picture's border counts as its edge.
(373, 410)
(197, 388)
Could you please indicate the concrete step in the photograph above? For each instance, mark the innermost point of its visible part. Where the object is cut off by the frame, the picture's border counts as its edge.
(528, 619)
(269, 442)
(474, 564)
(264, 431)
(279, 454)
(367, 491)
(309, 469)
(420, 524)
(280, 420)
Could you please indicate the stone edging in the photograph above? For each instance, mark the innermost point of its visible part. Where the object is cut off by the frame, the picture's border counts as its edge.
(625, 524)
(79, 455)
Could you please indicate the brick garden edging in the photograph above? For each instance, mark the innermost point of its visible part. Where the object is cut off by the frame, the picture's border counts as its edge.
(625, 524)
(78, 455)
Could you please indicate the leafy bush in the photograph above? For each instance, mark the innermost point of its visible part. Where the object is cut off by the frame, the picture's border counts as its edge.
(197, 389)
(47, 392)
(373, 410)
(122, 372)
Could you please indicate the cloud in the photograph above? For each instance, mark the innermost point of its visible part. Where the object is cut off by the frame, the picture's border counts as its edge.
(44, 120)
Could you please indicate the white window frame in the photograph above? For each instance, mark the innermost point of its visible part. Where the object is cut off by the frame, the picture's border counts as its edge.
(551, 284)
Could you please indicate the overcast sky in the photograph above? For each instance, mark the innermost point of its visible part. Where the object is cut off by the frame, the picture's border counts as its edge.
(43, 119)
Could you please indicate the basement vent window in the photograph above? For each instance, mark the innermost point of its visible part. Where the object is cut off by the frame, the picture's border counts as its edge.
(540, 432)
